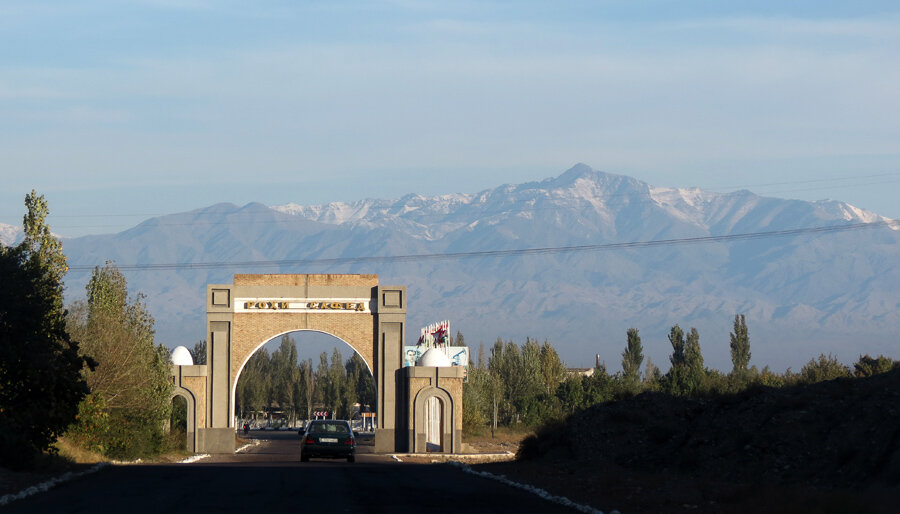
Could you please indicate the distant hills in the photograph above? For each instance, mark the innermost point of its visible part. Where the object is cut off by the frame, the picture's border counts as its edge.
(803, 293)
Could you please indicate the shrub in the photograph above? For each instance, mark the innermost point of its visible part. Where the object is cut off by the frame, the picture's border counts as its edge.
(825, 368)
(867, 366)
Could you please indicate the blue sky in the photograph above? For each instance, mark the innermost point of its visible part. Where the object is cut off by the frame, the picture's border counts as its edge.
(118, 111)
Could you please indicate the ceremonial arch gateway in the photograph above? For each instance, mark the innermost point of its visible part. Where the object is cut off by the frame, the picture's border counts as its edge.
(370, 318)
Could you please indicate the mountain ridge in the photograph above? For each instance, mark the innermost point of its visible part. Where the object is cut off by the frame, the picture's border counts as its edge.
(803, 295)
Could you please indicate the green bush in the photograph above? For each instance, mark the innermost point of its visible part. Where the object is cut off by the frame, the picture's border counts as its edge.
(867, 366)
(825, 368)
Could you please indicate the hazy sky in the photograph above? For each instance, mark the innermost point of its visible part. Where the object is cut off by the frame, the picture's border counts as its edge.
(121, 110)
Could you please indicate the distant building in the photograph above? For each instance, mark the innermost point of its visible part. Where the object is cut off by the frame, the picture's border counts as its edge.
(584, 372)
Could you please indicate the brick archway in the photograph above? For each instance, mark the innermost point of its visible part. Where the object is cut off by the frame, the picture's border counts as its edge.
(243, 316)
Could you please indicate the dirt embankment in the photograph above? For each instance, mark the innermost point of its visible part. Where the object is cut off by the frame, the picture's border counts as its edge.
(827, 447)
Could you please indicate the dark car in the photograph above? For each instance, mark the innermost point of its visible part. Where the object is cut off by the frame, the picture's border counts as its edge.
(328, 438)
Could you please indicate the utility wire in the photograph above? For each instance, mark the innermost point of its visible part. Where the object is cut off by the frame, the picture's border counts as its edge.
(499, 253)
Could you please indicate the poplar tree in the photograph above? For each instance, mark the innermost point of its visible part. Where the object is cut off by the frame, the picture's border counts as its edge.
(199, 352)
(360, 380)
(675, 379)
(40, 366)
(334, 385)
(740, 347)
(553, 371)
(632, 358)
(284, 374)
(695, 378)
(309, 381)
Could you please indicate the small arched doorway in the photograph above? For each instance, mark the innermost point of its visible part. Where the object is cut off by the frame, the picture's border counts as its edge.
(184, 416)
(434, 412)
(178, 423)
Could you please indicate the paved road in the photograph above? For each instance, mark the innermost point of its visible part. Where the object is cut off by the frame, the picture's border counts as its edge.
(270, 476)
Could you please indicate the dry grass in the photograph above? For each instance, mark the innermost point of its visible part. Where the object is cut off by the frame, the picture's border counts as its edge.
(505, 439)
(72, 452)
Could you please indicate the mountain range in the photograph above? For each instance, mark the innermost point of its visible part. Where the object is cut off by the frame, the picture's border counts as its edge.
(576, 260)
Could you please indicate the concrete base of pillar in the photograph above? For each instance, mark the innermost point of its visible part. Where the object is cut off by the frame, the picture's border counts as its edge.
(385, 441)
(215, 440)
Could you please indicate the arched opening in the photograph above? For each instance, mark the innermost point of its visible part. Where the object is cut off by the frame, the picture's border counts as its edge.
(433, 421)
(301, 375)
(178, 423)
(434, 412)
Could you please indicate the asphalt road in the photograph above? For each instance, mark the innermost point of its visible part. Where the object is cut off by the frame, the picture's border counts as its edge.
(270, 476)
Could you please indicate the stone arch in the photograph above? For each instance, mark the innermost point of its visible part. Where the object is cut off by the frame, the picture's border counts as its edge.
(191, 415)
(419, 414)
(241, 317)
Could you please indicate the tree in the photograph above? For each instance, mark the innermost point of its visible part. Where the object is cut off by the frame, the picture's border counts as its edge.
(334, 384)
(531, 382)
(282, 372)
(693, 357)
(39, 245)
(513, 379)
(496, 385)
(361, 379)
(571, 393)
(253, 387)
(41, 384)
(687, 375)
(321, 376)
(476, 399)
(199, 352)
(740, 347)
(598, 388)
(632, 358)
(350, 391)
(867, 366)
(673, 382)
(309, 380)
(553, 371)
(676, 339)
(824, 368)
(132, 373)
(653, 377)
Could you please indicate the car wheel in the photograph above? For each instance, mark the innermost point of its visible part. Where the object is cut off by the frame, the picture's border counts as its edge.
(351, 458)
(304, 458)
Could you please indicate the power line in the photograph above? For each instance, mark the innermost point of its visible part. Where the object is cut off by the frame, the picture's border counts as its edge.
(499, 253)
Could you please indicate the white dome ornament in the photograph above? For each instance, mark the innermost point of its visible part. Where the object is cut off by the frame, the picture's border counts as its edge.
(434, 358)
(181, 356)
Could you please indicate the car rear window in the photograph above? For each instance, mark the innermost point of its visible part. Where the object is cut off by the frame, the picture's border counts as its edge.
(329, 428)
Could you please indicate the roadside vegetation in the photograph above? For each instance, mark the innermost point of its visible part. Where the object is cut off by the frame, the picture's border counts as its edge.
(41, 367)
(84, 381)
(528, 386)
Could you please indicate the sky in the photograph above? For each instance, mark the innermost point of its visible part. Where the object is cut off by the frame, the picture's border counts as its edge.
(118, 111)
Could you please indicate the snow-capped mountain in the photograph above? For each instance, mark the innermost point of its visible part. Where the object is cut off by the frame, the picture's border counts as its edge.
(803, 294)
(9, 235)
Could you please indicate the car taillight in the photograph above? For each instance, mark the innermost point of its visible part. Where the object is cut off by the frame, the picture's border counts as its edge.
(349, 440)
(310, 440)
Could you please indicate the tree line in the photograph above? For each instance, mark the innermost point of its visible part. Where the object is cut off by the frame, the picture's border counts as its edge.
(529, 385)
(279, 381)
